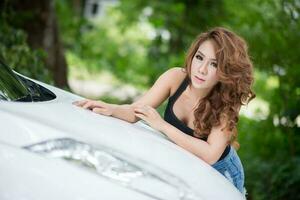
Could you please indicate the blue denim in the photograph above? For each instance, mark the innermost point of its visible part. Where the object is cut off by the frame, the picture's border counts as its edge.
(231, 167)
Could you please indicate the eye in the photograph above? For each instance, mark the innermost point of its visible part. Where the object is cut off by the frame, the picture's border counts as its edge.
(199, 57)
(214, 64)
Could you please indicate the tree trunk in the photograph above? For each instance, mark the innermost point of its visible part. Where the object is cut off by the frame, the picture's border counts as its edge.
(40, 23)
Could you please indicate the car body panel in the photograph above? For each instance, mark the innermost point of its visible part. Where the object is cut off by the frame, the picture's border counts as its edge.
(29, 123)
(28, 176)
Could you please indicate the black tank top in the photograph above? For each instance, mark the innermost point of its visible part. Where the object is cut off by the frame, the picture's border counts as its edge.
(171, 118)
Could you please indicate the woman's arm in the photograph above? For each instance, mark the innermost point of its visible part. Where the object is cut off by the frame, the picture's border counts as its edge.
(153, 97)
(209, 151)
(124, 112)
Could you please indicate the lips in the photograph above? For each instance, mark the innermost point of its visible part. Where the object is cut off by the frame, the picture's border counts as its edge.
(200, 79)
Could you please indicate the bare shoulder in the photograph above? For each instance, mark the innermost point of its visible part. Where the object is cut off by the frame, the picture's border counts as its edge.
(172, 76)
(177, 75)
(177, 71)
(162, 88)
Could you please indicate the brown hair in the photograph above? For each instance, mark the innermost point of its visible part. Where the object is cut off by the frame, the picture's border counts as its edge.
(235, 72)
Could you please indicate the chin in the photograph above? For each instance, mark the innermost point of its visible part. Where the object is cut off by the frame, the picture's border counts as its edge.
(198, 86)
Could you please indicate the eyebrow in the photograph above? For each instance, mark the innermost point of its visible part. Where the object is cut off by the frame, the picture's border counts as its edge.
(204, 55)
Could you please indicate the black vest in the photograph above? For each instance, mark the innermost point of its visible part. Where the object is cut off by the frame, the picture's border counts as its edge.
(171, 118)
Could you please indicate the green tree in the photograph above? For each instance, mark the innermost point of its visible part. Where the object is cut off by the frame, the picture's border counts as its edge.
(38, 20)
(16, 53)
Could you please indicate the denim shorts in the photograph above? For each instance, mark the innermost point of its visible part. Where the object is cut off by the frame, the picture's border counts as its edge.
(231, 167)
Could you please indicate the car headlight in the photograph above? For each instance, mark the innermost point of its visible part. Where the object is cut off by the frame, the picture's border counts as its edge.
(122, 169)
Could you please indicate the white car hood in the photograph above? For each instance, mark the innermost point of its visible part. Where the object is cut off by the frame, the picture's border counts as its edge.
(28, 123)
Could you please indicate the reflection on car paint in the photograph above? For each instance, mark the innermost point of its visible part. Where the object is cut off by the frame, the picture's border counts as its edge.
(122, 169)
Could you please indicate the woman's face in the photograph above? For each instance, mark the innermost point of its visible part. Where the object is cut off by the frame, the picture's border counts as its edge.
(204, 67)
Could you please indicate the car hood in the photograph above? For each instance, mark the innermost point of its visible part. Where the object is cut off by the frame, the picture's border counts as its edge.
(29, 123)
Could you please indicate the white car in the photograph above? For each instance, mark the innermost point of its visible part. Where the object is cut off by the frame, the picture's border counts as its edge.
(51, 149)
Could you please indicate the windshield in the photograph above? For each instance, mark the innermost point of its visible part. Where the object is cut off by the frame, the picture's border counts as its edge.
(14, 87)
(11, 88)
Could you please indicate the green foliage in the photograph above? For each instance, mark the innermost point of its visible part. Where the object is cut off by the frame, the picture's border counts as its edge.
(16, 53)
(103, 46)
(175, 24)
(70, 23)
(271, 171)
(269, 148)
(273, 179)
(115, 100)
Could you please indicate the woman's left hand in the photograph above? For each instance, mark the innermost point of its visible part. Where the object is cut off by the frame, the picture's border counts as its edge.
(150, 115)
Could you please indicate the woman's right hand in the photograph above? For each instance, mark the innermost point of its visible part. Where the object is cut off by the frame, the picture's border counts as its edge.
(98, 107)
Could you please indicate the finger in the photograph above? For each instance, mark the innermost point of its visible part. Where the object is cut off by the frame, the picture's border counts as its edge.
(99, 110)
(87, 105)
(142, 111)
(149, 108)
(137, 107)
(153, 111)
(146, 107)
(141, 116)
(80, 103)
(139, 110)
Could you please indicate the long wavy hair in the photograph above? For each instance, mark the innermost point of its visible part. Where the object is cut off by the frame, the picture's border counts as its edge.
(235, 72)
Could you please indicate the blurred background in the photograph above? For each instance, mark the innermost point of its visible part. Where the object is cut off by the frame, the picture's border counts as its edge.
(114, 50)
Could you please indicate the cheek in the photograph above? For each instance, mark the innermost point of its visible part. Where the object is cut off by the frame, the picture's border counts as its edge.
(194, 66)
(213, 76)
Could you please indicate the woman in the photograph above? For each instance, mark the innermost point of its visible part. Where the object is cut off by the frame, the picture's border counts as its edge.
(205, 98)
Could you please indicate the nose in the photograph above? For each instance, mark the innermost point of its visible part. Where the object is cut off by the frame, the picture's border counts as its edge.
(202, 68)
